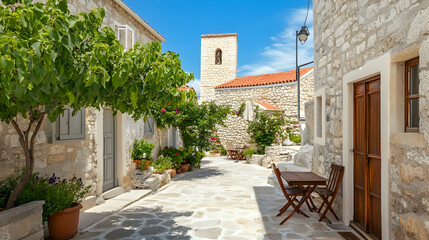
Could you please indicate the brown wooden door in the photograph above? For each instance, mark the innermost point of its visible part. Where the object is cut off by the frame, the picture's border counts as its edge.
(367, 156)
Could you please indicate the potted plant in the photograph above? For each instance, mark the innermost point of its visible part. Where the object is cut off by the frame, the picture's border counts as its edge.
(185, 167)
(142, 150)
(161, 164)
(177, 164)
(62, 205)
(62, 201)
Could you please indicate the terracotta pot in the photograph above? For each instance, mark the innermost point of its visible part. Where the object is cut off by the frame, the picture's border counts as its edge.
(137, 162)
(178, 170)
(63, 224)
(185, 167)
(172, 172)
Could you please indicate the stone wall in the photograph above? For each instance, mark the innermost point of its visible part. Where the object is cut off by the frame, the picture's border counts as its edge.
(284, 96)
(213, 75)
(347, 35)
(65, 158)
(22, 222)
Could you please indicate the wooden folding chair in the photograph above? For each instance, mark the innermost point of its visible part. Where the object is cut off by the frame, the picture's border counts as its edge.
(291, 193)
(331, 190)
(229, 147)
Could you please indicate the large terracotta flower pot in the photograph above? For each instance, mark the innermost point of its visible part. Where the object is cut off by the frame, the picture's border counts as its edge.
(63, 224)
(185, 167)
(172, 172)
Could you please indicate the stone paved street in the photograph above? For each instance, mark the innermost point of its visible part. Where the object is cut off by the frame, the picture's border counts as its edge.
(222, 200)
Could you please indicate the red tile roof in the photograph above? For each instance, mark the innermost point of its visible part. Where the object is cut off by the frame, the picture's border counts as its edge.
(267, 106)
(186, 87)
(219, 35)
(264, 79)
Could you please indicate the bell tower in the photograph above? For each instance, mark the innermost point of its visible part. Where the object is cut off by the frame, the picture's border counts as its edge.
(218, 62)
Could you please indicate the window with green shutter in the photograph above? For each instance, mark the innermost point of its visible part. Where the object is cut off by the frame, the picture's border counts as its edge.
(69, 126)
(149, 126)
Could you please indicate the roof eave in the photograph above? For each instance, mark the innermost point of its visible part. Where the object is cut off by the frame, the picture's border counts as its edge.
(140, 20)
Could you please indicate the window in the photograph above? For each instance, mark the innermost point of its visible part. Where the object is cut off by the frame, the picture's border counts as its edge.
(69, 127)
(125, 35)
(218, 57)
(412, 95)
(149, 126)
(319, 116)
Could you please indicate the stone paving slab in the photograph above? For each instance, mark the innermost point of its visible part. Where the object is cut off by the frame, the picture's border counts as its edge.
(222, 200)
(109, 207)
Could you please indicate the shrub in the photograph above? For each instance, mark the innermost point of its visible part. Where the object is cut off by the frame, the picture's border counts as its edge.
(223, 150)
(194, 158)
(162, 163)
(249, 152)
(142, 149)
(295, 138)
(57, 193)
(266, 129)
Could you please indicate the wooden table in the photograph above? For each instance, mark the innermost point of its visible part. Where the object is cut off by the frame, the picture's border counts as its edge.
(306, 181)
(236, 154)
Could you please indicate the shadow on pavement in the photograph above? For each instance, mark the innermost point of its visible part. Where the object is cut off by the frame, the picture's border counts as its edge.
(200, 173)
(138, 223)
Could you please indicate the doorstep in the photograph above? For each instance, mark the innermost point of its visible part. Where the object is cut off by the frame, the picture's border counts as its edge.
(113, 193)
(110, 206)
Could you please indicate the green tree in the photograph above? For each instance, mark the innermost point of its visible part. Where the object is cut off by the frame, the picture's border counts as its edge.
(50, 59)
(196, 122)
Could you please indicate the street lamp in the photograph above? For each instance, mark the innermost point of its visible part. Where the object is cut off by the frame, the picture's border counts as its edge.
(302, 36)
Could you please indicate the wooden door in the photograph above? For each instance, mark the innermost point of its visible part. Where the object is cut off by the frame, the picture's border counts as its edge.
(367, 156)
(109, 151)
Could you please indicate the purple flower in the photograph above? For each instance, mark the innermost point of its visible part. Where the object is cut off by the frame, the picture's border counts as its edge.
(64, 180)
(52, 179)
(163, 110)
(37, 177)
(177, 111)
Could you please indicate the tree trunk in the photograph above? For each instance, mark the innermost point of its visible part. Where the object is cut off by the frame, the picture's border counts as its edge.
(27, 145)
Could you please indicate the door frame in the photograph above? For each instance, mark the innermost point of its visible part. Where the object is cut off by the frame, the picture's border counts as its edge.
(384, 67)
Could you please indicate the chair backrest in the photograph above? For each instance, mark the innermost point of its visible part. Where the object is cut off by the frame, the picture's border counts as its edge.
(229, 145)
(335, 177)
(279, 179)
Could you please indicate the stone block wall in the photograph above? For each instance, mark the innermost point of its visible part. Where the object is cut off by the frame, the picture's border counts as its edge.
(284, 96)
(213, 75)
(115, 15)
(22, 222)
(65, 159)
(347, 35)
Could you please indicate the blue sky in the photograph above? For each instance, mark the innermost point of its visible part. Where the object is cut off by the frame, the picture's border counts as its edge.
(266, 30)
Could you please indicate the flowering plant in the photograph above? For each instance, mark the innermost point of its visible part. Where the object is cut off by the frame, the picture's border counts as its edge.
(57, 193)
(177, 155)
(162, 164)
(266, 129)
(142, 149)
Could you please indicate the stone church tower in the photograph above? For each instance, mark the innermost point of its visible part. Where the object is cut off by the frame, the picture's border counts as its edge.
(218, 62)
